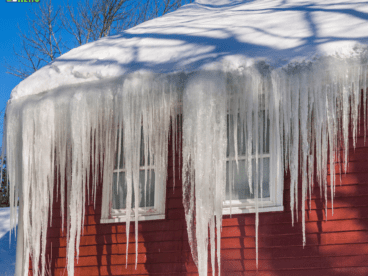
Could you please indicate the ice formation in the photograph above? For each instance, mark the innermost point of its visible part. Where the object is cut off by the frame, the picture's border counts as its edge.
(204, 153)
(309, 107)
(68, 136)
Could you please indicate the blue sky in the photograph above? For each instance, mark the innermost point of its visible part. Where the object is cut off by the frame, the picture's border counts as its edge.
(13, 15)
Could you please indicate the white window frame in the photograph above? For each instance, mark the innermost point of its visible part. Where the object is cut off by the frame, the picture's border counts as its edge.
(244, 206)
(157, 212)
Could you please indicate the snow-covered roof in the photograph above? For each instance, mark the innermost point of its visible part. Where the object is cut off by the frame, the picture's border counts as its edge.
(75, 127)
(210, 34)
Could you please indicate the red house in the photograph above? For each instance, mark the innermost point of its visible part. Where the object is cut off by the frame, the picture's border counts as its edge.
(238, 128)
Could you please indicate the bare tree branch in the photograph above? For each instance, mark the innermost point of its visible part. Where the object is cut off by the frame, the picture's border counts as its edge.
(41, 44)
(50, 28)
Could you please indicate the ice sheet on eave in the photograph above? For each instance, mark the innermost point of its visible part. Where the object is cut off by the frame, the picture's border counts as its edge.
(222, 34)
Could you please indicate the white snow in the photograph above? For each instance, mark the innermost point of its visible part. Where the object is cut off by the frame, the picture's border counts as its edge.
(4, 221)
(7, 243)
(236, 58)
(220, 34)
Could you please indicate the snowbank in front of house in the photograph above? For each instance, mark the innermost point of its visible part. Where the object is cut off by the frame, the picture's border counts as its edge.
(223, 34)
(4, 221)
(7, 251)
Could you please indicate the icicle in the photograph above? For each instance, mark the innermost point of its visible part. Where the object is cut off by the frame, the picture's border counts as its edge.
(204, 152)
(256, 96)
(304, 104)
(294, 153)
(364, 88)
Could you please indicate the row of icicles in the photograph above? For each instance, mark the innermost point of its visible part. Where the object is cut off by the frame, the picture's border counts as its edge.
(307, 111)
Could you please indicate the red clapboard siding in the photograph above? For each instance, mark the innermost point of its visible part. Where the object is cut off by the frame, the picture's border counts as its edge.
(338, 246)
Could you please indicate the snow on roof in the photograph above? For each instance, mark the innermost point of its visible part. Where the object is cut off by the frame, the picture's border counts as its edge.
(208, 34)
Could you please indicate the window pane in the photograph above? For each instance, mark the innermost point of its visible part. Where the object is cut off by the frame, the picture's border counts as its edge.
(241, 188)
(230, 136)
(121, 163)
(119, 193)
(264, 129)
(266, 132)
(141, 159)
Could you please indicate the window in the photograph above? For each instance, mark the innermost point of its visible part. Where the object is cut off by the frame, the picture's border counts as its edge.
(238, 197)
(151, 194)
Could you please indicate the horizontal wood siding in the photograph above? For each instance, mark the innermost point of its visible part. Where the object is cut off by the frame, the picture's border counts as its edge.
(338, 246)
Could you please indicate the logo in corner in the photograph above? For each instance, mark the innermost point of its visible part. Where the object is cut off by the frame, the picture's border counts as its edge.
(22, 1)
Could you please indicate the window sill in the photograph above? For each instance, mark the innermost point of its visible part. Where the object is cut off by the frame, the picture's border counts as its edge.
(250, 209)
(140, 218)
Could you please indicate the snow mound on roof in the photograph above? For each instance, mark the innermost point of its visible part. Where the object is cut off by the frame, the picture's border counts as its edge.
(221, 35)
